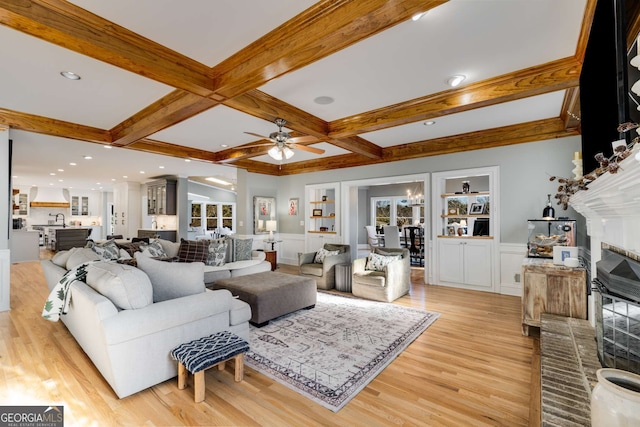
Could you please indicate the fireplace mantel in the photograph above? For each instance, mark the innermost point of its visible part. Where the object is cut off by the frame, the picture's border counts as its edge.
(611, 207)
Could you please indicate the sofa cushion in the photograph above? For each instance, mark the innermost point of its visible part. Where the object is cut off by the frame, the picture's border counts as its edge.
(107, 250)
(322, 254)
(170, 248)
(60, 258)
(172, 279)
(193, 250)
(127, 287)
(80, 256)
(377, 262)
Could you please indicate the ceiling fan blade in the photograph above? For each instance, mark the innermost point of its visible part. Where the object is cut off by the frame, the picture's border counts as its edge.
(259, 136)
(307, 148)
(303, 138)
(266, 144)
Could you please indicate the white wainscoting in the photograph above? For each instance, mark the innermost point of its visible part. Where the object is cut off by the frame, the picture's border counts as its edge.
(511, 256)
(5, 279)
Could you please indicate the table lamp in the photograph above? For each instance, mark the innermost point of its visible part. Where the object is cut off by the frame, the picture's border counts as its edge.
(272, 225)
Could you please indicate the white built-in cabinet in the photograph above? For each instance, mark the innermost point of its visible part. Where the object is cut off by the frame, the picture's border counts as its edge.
(323, 219)
(466, 228)
(126, 209)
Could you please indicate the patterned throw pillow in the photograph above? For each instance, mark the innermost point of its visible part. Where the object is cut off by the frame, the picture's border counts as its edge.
(322, 254)
(154, 249)
(242, 249)
(193, 250)
(217, 253)
(107, 250)
(376, 262)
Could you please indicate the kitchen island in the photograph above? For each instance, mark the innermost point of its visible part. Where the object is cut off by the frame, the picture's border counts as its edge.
(65, 238)
(24, 245)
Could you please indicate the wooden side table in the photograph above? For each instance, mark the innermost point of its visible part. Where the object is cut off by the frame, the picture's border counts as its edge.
(272, 257)
(553, 289)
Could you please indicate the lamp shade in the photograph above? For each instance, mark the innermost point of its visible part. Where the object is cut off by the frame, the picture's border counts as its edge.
(272, 225)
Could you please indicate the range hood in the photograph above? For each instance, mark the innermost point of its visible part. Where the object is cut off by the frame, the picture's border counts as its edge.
(49, 198)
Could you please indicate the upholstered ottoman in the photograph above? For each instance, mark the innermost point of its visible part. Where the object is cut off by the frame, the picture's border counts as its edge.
(214, 350)
(271, 294)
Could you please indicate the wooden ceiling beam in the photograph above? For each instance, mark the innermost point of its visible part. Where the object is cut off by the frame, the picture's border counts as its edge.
(53, 127)
(550, 77)
(323, 29)
(69, 26)
(490, 138)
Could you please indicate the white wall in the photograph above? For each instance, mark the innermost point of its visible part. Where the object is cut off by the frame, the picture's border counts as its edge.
(5, 215)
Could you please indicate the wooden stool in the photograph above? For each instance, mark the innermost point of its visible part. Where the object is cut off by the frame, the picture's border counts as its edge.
(214, 350)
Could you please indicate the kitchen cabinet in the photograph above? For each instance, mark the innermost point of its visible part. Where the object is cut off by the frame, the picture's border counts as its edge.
(161, 197)
(465, 261)
(323, 221)
(80, 205)
(553, 289)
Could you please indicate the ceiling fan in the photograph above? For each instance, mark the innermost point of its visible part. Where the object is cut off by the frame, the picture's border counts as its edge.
(284, 143)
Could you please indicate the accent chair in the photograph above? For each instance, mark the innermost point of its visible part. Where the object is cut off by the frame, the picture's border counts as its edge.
(385, 275)
(322, 268)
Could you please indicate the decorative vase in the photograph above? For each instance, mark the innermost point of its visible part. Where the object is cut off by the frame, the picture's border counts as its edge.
(615, 400)
(465, 187)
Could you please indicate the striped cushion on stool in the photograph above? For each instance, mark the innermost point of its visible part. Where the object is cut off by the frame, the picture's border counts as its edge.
(205, 352)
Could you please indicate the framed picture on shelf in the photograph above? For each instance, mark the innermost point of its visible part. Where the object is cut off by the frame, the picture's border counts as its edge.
(453, 211)
(476, 209)
(317, 212)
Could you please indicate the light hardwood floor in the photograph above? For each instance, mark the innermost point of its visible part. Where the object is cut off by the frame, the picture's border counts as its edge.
(472, 367)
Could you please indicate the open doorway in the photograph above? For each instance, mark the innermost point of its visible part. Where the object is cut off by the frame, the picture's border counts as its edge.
(357, 211)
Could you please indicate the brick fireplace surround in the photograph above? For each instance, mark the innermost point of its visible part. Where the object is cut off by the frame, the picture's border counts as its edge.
(568, 365)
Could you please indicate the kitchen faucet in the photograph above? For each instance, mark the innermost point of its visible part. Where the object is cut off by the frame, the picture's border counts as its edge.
(154, 223)
(56, 220)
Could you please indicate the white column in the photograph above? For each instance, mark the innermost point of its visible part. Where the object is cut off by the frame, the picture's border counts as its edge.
(5, 220)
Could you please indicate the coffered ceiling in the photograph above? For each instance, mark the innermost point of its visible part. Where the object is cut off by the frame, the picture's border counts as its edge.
(164, 81)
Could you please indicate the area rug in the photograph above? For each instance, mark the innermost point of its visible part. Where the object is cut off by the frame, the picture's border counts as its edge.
(331, 352)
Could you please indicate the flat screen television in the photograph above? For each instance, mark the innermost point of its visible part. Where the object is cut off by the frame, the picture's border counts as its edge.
(606, 80)
(481, 227)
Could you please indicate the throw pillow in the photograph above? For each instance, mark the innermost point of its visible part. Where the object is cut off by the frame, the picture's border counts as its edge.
(242, 249)
(80, 256)
(61, 257)
(154, 249)
(127, 287)
(193, 250)
(130, 247)
(231, 244)
(217, 253)
(322, 254)
(376, 262)
(107, 250)
(171, 280)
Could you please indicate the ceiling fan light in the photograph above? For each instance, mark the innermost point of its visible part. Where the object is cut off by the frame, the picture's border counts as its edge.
(275, 153)
(288, 153)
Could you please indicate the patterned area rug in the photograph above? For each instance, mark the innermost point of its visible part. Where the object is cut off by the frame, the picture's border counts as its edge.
(331, 352)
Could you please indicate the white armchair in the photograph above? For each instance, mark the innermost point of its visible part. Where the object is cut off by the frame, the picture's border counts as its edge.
(324, 272)
(387, 284)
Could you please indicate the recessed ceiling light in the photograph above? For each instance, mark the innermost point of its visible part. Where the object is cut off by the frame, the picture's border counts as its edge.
(187, 160)
(142, 172)
(107, 146)
(87, 157)
(217, 181)
(417, 16)
(161, 167)
(429, 123)
(61, 180)
(113, 179)
(70, 75)
(97, 183)
(456, 80)
(72, 164)
(125, 176)
(224, 145)
(52, 174)
(324, 100)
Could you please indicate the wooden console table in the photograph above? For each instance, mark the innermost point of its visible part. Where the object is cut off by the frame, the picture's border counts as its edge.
(553, 289)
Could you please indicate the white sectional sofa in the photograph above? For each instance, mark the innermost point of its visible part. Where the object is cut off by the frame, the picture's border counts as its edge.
(130, 346)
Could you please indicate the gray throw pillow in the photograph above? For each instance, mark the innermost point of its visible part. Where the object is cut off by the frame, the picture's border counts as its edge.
(127, 287)
(172, 279)
(154, 249)
(217, 253)
(242, 249)
(80, 256)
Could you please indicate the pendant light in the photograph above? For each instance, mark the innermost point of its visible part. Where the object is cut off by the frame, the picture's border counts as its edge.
(548, 212)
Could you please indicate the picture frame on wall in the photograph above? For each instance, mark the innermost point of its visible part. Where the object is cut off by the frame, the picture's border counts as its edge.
(293, 207)
(476, 209)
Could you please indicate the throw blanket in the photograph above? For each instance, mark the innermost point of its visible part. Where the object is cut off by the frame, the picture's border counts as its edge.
(60, 296)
